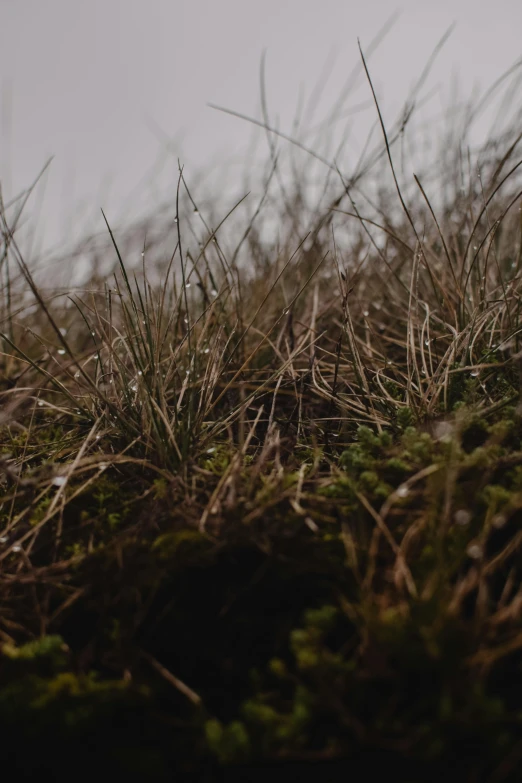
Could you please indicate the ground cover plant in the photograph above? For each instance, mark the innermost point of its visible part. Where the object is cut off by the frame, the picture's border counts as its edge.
(261, 500)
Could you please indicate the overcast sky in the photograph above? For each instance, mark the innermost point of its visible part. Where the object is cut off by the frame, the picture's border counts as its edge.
(102, 84)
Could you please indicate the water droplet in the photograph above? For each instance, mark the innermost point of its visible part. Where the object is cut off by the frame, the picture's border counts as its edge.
(402, 491)
(185, 320)
(499, 520)
(142, 254)
(462, 516)
(475, 247)
(207, 350)
(140, 372)
(61, 351)
(442, 430)
(93, 334)
(213, 292)
(4, 539)
(103, 466)
(211, 450)
(366, 313)
(475, 373)
(59, 481)
(134, 388)
(474, 551)
(426, 342)
(188, 285)
(40, 404)
(17, 548)
(77, 374)
(382, 327)
(98, 437)
(63, 332)
(175, 220)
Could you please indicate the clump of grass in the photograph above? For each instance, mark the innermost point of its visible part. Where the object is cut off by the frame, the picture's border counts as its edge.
(272, 510)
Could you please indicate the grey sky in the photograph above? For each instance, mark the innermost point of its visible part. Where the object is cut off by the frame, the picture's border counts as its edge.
(97, 83)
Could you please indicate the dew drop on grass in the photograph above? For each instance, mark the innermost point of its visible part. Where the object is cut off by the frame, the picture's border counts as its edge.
(40, 404)
(3, 539)
(403, 491)
(213, 292)
(188, 285)
(140, 372)
(211, 450)
(63, 332)
(207, 350)
(61, 351)
(499, 520)
(17, 548)
(474, 373)
(77, 374)
(474, 551)
(59, 481)
(366, 313)
(462, 517)
(175, 220)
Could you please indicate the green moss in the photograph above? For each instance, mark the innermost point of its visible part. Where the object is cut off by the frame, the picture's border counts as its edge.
(186, 544)
(229, 743)
(405, 418)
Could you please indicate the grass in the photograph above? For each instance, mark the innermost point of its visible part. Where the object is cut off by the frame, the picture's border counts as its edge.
(261, 502)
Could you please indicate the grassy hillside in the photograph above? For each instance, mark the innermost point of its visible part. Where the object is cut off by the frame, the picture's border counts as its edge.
(261, 501)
